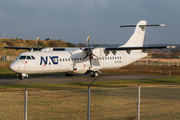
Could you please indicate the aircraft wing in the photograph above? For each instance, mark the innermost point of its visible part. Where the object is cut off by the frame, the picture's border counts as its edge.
(34, 48)
(113, 48)
(128, 49)
(140, 48)
(24, 48)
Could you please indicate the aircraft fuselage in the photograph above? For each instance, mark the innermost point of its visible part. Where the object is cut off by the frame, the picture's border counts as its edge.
(68, 62)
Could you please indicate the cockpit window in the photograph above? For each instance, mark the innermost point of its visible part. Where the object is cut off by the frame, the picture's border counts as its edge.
(32, 57)
(22, 57)
(17, 57)
(28, 57)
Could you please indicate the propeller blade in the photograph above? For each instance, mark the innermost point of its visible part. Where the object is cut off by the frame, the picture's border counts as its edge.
(45, 46)
(95, 55)
(96, 45)
(90, 61)
(85, 57)
(88, 42)
(80, 48)
(37, 43)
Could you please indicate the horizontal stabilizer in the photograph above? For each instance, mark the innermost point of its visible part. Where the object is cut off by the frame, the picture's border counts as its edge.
(144, 25)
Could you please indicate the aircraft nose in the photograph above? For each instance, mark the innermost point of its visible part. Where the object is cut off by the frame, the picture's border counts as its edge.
(14, 67)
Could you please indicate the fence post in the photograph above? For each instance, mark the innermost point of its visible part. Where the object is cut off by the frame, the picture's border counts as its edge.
(89, 102)
(138, 103)
(25, 101)
(25, 105)
(89, 90)
(138, 107)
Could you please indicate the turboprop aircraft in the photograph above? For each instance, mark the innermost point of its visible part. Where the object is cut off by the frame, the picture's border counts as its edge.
(82, 60)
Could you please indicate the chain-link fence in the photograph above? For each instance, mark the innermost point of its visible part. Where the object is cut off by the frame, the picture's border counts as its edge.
(157, 62)
(106, 103)
(11, 105)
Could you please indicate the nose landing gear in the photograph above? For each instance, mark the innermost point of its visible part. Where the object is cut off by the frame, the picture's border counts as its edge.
(21, 76)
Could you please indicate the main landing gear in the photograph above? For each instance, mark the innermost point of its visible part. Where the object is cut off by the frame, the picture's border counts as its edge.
(94, 73)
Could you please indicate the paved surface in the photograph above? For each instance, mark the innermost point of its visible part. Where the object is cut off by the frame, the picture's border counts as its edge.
(77, 78)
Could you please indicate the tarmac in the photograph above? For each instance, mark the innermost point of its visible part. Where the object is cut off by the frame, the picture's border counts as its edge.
(77, 78)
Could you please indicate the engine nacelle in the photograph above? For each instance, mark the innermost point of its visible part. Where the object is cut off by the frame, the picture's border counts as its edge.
(99, 52)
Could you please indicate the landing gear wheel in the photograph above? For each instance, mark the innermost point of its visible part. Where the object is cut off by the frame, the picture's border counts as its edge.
(94, 74)
(21, 77)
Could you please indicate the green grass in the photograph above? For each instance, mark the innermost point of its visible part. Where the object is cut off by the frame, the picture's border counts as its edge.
(83, 85)
(7, 73)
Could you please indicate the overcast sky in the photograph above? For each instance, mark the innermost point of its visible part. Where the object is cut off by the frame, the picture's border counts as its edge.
(74, 20)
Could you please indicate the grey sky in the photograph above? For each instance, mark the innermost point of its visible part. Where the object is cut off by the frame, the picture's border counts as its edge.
(74, 20)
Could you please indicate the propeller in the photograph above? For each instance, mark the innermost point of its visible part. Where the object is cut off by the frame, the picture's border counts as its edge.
(39, 49)
(89, 52)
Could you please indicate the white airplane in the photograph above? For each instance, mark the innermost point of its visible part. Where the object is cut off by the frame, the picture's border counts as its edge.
(82, 60)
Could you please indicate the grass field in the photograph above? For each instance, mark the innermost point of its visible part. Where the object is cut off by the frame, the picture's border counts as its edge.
(120, 103)
(110, 100)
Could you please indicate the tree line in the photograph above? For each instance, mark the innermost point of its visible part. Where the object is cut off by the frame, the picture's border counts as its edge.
(174, 53)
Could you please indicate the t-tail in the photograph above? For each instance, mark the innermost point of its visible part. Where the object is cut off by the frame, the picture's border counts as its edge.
(137, 39)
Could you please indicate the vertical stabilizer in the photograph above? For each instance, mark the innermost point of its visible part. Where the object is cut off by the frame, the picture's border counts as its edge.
(137, 38)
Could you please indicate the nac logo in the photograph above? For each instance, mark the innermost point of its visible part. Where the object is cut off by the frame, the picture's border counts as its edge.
(49, 60)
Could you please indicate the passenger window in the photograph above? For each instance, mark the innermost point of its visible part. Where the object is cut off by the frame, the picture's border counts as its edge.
(69, 59)
(22, 57)
(72, 59)
(60, 59)
(28, 57)
(77, 58)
